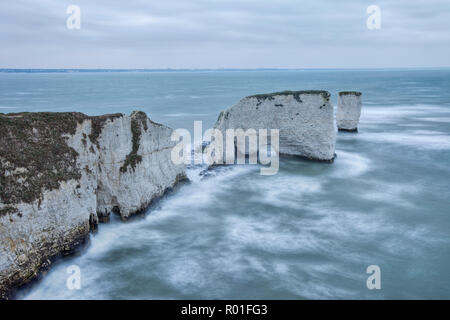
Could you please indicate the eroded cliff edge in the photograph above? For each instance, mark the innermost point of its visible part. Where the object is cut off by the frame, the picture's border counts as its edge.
(60, 173)
(304, 118)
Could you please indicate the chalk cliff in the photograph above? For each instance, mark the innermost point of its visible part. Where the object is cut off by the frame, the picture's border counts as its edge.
(304, 118)
(348, 111)
(60, 173)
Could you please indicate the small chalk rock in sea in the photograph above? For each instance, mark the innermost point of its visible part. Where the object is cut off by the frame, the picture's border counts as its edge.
(348, 111)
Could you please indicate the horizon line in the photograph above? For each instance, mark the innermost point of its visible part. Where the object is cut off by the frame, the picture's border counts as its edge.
(29, 70)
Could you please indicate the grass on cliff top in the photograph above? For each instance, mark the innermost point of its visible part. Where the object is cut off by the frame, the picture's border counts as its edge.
(34, 155)
(344, 93)
(296, 94)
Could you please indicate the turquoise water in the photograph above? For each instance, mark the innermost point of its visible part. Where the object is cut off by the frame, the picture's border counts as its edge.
(308, 232)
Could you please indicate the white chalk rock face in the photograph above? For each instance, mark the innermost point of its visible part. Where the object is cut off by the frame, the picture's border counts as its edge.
(61, 173)
(304, 118)
(348, 111)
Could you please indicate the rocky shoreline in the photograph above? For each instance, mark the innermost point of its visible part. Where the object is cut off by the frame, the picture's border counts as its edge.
(62, 173)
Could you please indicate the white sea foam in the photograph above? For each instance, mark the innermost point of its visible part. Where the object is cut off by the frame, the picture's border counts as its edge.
(285, 190)
(197, 263)
(350, 164)
(427, 141)
(391, 114)
(435, 119)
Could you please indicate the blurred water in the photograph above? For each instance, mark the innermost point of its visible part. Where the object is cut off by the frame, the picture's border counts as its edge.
(308, 232)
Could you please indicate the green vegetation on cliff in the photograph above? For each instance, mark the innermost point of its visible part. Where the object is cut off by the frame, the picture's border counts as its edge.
(138, 121)
(296, 94)
(34, 155)
(355, 93)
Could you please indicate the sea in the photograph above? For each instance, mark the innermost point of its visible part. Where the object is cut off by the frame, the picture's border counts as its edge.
(312, 231)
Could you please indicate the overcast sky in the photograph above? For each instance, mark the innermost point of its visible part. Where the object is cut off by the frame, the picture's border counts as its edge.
(224, 34)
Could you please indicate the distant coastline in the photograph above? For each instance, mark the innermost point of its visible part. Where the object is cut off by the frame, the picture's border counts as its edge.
(75, 70)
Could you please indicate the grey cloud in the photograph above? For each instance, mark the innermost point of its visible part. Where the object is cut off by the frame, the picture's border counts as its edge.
(224, 33)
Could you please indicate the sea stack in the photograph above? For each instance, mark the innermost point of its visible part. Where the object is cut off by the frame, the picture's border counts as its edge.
(60, 173)
(304, 118)
(348, 111)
